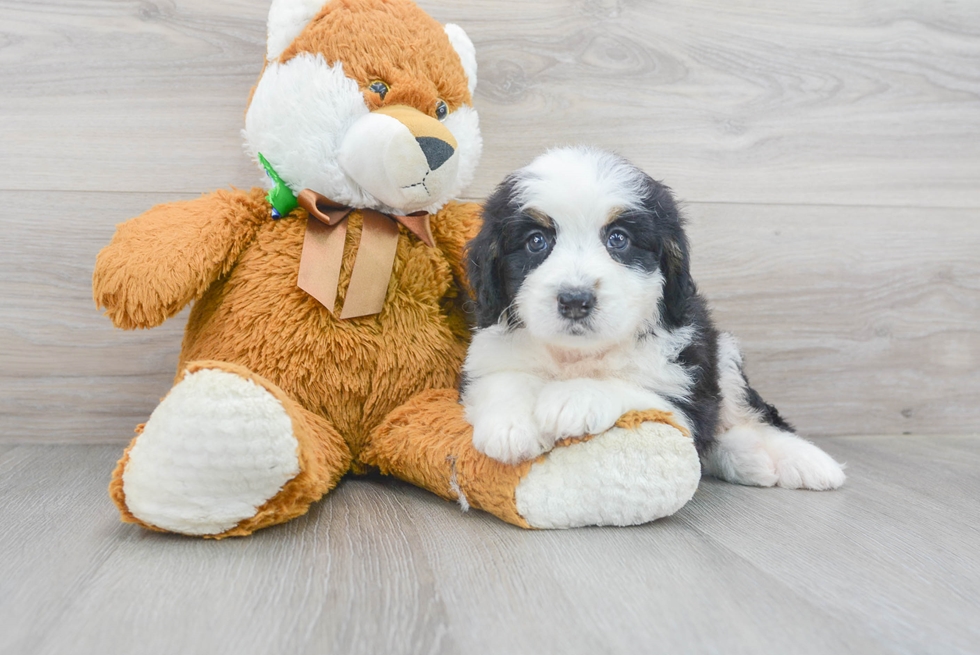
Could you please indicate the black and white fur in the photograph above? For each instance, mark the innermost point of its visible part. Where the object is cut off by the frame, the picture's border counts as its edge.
(586, 309)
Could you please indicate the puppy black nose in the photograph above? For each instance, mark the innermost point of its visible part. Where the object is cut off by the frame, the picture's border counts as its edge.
(576, 304)
(436, 151)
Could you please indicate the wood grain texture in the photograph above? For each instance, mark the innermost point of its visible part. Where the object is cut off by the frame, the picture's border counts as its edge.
(93, 87)
(812, 101)
(890, 550)
(631, 591)
(853, 320)
(885, 565)
(65, 373)
(58, 532)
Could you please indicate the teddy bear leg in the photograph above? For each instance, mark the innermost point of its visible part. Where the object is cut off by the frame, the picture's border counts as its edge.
(644, 468)
(224, 454)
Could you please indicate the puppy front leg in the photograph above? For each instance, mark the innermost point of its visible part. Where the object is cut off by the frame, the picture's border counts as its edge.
(574, 408)
(500, 407)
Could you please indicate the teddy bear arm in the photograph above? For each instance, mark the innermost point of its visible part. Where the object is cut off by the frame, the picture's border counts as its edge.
(428, 443)
(160, 261)
(644, 468)
(453, 227)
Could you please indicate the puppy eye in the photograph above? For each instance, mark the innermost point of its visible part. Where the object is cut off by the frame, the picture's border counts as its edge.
(537, 243)
(379, 87)
(442, 110)
(617, 240)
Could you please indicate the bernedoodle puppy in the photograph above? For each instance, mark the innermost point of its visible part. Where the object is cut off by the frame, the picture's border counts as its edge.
(586, 309)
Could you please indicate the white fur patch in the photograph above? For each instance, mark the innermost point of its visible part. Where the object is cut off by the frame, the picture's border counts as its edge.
(735, 409)
(764, 456)
(287, 18)
(579, 187)
(501, 410)
(454, 487)
(522, 394)
(621, 477)
(572, 408)
(214, 450)
(466, 51)
(299, 115)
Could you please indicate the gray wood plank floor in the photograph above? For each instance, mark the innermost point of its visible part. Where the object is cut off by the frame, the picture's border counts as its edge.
(888, 564)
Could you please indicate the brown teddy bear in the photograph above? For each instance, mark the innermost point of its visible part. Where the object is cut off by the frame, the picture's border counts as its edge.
(328, 325)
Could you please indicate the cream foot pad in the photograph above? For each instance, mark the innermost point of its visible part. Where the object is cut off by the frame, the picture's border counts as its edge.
(215, 449)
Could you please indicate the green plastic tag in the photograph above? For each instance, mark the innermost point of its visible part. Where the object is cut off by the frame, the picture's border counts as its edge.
(281, 197)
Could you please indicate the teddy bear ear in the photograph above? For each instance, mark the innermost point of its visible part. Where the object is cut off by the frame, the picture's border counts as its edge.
(287, 18)
(466, 51)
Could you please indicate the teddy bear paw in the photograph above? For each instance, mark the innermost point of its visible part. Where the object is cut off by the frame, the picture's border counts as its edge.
(624, 476)
(216, 449)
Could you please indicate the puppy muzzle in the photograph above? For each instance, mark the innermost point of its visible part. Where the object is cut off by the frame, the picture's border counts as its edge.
(402, 157)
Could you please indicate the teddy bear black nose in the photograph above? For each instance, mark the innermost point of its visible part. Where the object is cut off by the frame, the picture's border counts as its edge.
(436, 151)
(576, 304)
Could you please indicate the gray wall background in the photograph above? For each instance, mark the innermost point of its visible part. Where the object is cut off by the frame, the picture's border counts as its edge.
(827, 153)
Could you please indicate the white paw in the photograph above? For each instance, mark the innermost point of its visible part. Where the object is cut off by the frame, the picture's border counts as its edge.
(214, 450)
(574, 408)
(763, 456)
(509, 437)
(801, 465)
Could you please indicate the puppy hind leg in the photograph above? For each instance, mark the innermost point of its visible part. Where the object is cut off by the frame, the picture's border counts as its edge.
(739, 456)
(764, 456)
(740, 403)
(756, 446)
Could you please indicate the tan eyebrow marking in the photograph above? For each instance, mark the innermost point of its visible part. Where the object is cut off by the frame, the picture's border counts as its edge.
(614, 213)
(540, 217)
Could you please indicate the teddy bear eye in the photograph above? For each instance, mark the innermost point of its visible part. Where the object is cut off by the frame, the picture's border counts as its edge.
(379, 87)
(442, 110)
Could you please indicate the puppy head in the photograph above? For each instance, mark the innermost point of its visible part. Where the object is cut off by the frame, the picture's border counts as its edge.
(583, 249)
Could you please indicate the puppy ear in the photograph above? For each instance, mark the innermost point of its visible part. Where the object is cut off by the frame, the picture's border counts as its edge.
(679, 288)
(483, 268)
(675, 260)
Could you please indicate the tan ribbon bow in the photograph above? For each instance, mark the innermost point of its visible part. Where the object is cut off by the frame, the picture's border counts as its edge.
(323, 253)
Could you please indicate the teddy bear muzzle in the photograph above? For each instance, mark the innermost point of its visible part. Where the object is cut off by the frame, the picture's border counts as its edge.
(402, 157)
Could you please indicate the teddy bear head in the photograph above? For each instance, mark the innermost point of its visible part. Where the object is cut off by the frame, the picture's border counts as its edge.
(367, 102)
